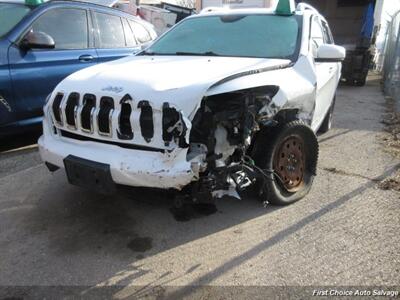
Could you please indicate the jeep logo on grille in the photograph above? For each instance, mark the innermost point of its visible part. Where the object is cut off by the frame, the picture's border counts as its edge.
(114, 89)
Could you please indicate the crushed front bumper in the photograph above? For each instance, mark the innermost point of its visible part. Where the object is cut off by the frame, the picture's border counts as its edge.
(128, 167)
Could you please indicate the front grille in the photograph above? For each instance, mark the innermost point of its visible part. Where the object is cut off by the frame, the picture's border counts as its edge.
(88, 107)
(105, 118)
(57, 108)
(146, 120)
(71, 109)
(125, 128)
(105, 114)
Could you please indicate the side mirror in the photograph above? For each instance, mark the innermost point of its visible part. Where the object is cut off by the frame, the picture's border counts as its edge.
(37, 40)
(330, 53)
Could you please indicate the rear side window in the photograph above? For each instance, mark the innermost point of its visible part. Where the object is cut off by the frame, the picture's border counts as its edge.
(141, 33)
(67, 26)
(129, 37)
(111, 31)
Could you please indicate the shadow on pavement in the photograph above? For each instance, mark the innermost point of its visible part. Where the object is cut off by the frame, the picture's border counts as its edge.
(109, 218)
(118, 230)
(185, 292)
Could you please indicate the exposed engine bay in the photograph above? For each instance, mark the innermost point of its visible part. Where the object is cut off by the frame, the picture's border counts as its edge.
(222, 133)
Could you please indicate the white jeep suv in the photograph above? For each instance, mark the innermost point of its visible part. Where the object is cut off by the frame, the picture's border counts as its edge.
(226, 100)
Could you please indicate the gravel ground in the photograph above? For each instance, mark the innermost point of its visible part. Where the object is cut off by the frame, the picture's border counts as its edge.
(344, 233)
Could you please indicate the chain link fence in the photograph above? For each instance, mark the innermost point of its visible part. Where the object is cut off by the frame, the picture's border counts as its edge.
(391, 67)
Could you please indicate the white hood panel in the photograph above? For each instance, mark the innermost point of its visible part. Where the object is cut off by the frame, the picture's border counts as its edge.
(179, 80)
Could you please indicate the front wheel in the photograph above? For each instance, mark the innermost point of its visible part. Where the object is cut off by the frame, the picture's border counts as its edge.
(291, 153)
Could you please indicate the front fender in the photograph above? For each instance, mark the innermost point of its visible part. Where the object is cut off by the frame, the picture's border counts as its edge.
(297, 86)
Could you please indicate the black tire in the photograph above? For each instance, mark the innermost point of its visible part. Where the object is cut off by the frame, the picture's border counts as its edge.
(267, 146)
(327, 123)
(360, 82)
(352, 82)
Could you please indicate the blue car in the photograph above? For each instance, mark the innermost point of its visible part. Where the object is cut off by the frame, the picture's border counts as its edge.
(41, 45)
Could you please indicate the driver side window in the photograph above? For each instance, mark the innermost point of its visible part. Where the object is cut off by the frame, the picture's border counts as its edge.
(317, 36)
(67, 26)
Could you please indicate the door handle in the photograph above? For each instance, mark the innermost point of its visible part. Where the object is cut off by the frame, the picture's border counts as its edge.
(86, 58)
(330, 69)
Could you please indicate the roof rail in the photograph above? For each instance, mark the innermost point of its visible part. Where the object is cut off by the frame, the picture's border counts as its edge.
(304, 6)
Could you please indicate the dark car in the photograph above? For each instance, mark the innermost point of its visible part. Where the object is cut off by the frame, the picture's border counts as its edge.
(41, 45)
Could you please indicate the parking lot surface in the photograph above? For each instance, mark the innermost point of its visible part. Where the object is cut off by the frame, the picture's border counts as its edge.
(345, 232)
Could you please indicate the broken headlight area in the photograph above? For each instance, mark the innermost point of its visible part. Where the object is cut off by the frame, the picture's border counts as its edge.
(222, 131)
(174, 127)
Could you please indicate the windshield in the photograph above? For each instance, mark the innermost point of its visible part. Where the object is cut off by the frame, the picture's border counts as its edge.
(10, 15)
(264, 36)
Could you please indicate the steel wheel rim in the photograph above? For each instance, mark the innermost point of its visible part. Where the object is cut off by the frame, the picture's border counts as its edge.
(289, 163)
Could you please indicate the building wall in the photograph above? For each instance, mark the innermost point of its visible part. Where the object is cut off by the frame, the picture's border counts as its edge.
(384, 12)
(345, 22)
(200, 4)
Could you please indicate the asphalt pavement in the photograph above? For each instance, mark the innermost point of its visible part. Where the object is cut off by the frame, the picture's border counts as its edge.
(57, 238)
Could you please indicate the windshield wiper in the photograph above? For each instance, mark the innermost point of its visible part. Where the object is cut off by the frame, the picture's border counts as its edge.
(148, 53)
(207, 53)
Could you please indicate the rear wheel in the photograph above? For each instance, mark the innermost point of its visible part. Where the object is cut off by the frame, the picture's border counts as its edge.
(291, 152)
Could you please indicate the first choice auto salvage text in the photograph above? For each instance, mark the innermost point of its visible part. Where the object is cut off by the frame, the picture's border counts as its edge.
(356, 292)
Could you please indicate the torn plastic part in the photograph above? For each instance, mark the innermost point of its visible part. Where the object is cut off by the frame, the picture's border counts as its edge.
(146, 120)
(241, 179)
(222, 147)
(174, 127)
(198, 153)
(125, 131)
(230, 192)
(236, 182)
(214, 182)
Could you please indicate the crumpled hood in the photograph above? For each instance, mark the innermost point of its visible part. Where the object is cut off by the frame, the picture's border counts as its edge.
(179, 80)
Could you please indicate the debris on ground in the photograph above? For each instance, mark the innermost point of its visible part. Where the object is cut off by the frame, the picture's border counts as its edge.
(391, 183)
(391, 141)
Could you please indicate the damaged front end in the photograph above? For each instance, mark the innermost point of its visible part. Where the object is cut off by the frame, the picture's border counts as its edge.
(222, 135)
(154, 144)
